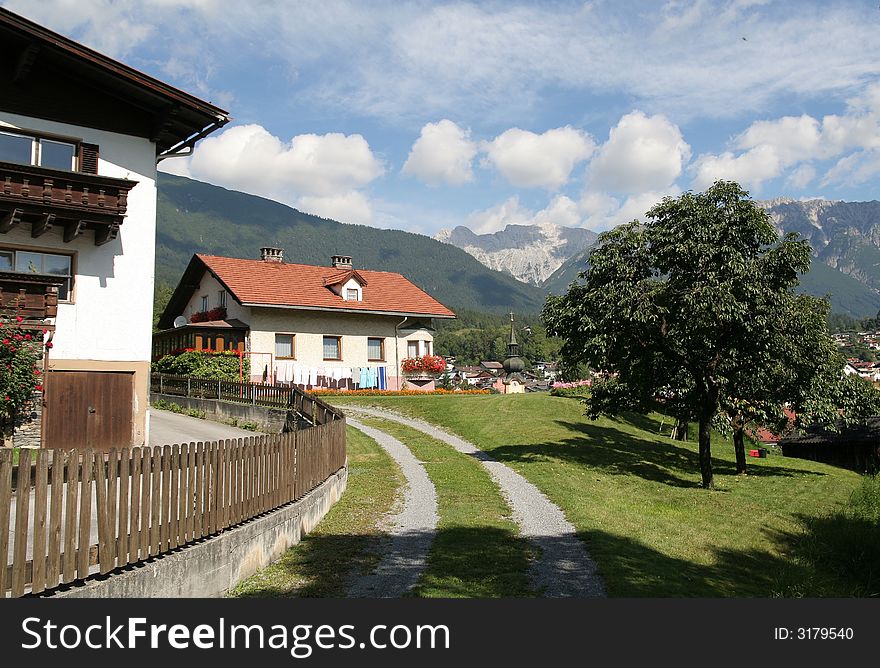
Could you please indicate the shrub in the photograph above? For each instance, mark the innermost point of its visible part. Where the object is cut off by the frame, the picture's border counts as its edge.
(219, 365)
(20, 354)
(577, 388)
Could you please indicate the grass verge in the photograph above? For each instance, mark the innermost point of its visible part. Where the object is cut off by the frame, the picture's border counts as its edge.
(477, 552)
(635, 498)
(343, 544)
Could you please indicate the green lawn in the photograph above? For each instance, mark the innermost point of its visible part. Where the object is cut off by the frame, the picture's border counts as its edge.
(344, 543)
(636, 500)
(477, 552)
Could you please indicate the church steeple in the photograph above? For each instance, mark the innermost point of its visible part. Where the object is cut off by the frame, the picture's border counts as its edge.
(514, 363)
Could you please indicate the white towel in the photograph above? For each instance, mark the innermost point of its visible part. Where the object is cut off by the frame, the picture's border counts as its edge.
(313, 376)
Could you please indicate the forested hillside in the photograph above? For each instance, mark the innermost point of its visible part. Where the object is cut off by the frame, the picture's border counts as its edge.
(195, 217)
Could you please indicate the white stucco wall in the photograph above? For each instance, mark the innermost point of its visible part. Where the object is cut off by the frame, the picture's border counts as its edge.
(309, 328)
(111, 315)
(211, 287)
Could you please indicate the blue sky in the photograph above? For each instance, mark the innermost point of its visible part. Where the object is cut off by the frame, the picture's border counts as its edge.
(422, 115)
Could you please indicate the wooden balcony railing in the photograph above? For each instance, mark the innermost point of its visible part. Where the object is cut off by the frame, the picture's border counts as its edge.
(73, 201)
(30, 296)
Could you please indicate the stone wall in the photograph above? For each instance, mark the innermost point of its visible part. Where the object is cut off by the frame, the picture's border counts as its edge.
(24, 428)
(269, 420)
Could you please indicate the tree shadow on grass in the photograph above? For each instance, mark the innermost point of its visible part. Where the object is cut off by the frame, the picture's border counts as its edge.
(464, 562)
(828, 557)
(618, 453)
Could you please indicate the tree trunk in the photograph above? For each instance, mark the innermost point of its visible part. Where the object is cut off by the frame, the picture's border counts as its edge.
(705, 449)
(681, 430)
(739, 446)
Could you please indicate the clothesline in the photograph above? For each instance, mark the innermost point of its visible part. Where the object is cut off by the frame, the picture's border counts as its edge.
(361, 377)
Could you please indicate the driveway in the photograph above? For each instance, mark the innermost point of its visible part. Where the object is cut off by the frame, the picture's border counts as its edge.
(167, 428)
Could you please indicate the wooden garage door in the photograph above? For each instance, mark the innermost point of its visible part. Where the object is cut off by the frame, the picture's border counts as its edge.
(89, 409)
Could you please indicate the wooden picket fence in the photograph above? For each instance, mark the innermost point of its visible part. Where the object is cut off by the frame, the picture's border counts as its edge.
(78, 512)
(257, 394)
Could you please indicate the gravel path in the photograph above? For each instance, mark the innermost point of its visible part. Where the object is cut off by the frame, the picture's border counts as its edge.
(412, 529)
(564, 568)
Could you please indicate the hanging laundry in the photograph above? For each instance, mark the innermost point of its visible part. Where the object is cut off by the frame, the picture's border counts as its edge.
(364, 377)
(382, 380)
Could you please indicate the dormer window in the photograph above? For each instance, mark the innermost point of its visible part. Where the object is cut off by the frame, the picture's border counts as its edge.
(352, 295)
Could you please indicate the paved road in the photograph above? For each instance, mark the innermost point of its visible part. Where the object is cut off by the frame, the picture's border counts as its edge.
(167, 428)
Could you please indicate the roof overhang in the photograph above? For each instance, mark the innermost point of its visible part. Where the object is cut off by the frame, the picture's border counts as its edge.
(359, 311)
(97, 91)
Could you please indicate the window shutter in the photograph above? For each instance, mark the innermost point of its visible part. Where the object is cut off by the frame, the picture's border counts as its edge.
(88, 158)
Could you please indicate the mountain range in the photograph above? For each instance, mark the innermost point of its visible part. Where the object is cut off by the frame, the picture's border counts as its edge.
(529, 253)
(845, 237)
(514, 268)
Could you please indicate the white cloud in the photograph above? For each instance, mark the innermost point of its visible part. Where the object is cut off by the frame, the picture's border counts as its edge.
(854, 169)
(642, 153)
(602, 211)
(350, 207)
(561, 210)
(442, 154)
(390, 59)
(770, 147)
(531, 160)
(750, 169)
(801, 177)
(320, 171)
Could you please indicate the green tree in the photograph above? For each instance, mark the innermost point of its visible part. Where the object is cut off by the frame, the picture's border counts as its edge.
(680, 306)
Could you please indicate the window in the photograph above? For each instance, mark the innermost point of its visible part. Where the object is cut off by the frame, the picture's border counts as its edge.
(332, 348)
(49, 264)
(351, 294)
(204, 303)
(284, 346)
(30, 150)
(221, 299)
(376, 350)
(427, 345)
(412, 348)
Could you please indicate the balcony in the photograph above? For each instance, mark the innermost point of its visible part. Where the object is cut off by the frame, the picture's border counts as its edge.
(71, 201)
(33, 297)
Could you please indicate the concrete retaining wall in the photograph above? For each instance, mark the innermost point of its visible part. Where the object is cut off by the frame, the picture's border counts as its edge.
(269, 420)
(212, 567)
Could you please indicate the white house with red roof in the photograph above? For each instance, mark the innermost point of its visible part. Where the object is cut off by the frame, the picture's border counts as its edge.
(333, 326)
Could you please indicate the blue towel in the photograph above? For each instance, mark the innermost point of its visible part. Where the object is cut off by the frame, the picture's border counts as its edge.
(365, 377)
(383, 381)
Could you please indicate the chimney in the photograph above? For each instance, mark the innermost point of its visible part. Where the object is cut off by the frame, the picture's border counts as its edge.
(340, 261)
(268, 254)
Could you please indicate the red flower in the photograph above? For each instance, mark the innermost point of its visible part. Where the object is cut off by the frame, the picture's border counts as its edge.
(18, 318)
(27, 337)
(5, 342)
(39, 388)
(6, 398)
(48, 344)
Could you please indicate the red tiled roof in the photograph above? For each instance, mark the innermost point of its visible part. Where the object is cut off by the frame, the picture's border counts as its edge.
(304, 286)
